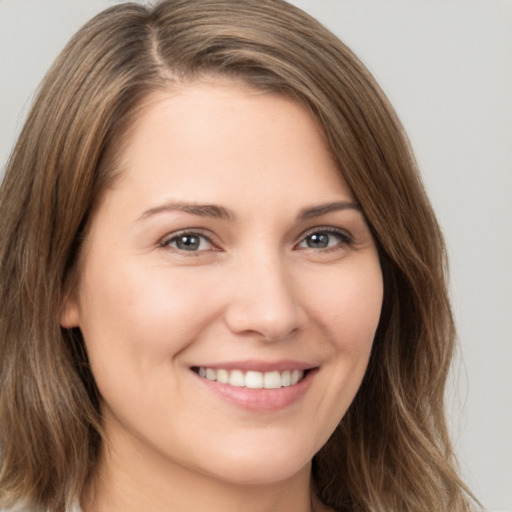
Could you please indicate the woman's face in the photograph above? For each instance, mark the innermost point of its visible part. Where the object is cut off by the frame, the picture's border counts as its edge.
(230, 288)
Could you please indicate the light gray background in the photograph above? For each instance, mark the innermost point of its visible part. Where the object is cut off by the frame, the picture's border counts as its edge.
(446, 66)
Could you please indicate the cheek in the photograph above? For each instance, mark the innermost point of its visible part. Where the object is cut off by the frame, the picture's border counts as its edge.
(135, 324)
(346, 308)
(349, 307)
(137, 315)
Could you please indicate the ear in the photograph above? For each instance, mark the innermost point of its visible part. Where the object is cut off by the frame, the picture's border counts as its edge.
(70, 315)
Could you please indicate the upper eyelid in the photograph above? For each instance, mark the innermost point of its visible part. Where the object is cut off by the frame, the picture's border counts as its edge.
(326, 229)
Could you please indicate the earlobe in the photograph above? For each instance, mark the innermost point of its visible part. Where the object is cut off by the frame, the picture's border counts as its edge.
(70, 316)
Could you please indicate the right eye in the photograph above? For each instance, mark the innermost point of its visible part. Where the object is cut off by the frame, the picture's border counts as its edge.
(188, 241)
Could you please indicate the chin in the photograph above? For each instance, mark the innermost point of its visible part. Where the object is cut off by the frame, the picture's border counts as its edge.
(262, 468)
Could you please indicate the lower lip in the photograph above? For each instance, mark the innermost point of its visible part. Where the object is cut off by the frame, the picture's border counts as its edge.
(260, 400)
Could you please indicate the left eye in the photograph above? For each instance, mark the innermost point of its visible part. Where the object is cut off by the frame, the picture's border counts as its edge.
(190, 242)
(324, 239)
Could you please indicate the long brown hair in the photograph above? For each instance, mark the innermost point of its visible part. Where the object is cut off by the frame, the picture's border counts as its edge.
(391, 451)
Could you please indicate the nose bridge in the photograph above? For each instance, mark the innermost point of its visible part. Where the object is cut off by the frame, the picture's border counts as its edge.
(263, 299)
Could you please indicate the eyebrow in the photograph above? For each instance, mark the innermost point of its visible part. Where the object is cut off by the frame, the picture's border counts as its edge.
(219, 212)
(324, 209)
(201, 210)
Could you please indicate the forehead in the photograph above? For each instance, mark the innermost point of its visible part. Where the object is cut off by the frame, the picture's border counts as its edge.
(218, 128)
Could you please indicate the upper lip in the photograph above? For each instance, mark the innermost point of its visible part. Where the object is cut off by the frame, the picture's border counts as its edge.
(259, 365)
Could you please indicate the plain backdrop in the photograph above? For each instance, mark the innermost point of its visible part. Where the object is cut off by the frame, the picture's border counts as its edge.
(446, 66)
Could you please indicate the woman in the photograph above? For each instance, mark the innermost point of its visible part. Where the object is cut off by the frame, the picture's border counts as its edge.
(222, 282)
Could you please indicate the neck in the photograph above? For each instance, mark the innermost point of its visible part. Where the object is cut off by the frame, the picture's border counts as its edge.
(128, 481)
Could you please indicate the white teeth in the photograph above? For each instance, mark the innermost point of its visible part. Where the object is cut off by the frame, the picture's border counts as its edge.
(296, 376)
(253, 379)
(236, 378)
(211, 374)
(272, 380)
(222, 376)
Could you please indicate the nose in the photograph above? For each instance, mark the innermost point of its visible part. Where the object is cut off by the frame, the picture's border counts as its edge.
(263, 301)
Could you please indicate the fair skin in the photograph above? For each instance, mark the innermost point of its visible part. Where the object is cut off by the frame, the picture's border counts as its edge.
(230, 248)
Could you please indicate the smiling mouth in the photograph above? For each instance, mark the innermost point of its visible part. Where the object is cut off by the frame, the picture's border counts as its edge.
(252, 379)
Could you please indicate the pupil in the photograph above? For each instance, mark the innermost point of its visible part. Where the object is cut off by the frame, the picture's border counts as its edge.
(318, 240)
(188, 242)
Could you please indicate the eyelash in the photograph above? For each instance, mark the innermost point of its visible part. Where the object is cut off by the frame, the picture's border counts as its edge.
(344, 239)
